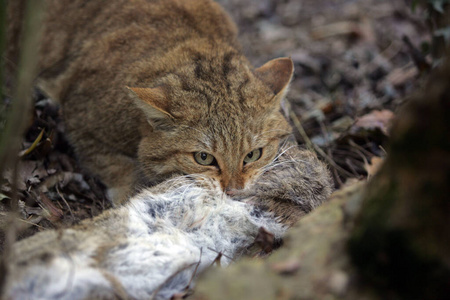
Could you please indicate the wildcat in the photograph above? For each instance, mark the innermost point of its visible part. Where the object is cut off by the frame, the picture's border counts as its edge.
(153, 246)
(151, 88)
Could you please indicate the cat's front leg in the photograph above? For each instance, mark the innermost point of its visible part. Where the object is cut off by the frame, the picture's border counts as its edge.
(117, 172)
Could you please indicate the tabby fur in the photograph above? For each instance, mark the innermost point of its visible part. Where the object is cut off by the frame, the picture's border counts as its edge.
(145, 84)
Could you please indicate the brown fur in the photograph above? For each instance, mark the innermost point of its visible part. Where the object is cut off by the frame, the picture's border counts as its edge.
(146, 84)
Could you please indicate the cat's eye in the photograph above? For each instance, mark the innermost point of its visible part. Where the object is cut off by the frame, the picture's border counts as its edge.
(204, 158)
(253, 156)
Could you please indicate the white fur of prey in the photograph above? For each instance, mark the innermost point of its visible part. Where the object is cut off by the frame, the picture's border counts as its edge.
(152, 247)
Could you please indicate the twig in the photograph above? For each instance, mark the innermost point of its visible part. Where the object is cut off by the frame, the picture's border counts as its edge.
(337, 177)
(298, 125)
(22, 220)
(350, 165)
(218, 252)
(361, 155)
(217, 260)
(310, 145)
(331, 162)
(155, 293)
(64, 200)
(325, 132)
(33, 146)
(59, 204)
(355, 145)
(195, 270)
(417, 56)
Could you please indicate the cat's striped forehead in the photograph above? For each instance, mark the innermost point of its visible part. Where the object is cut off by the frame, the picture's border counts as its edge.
(219, 82)
(226, 107)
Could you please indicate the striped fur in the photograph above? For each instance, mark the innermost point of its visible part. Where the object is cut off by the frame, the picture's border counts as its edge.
(202, 94)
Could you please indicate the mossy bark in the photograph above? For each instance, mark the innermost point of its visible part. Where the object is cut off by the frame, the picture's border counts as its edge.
(388, 239)
(402, 239)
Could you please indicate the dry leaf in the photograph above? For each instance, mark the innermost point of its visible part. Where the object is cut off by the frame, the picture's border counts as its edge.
(264, 240)
(374, 166)
(377, 119)
(3, 196)
(29, 172)
(400, 76)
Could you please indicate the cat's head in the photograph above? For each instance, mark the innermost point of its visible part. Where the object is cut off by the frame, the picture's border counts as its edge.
(218, 118)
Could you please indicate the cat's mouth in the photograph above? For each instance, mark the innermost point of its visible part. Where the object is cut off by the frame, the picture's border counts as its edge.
(233, 192)
(240, 194)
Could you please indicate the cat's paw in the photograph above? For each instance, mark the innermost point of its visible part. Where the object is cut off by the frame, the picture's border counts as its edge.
(118, 195)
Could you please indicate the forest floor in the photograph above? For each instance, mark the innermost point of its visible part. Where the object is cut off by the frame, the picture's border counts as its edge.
(355, 64)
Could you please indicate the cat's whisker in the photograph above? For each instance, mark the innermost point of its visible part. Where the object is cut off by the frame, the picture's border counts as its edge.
(283, 151)
(287, 142)
(278, 164)
(185, 190)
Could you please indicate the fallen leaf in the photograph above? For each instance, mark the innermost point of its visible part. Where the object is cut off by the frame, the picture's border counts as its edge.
(400, 76)
(377, 119)
(29, 172)
(374, 166)
(3, 196)
(264, 239)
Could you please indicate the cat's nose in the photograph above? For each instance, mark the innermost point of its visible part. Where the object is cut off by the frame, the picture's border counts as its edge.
(231, 192)
(232, 183)
(233, 189)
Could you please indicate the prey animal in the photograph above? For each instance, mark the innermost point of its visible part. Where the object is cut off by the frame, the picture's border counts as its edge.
(155, 245)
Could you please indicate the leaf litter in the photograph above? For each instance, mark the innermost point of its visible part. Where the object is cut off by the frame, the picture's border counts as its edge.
(54, 191)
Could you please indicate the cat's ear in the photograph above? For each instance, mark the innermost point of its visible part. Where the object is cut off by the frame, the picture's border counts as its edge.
(276, 74)
(153, 102)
